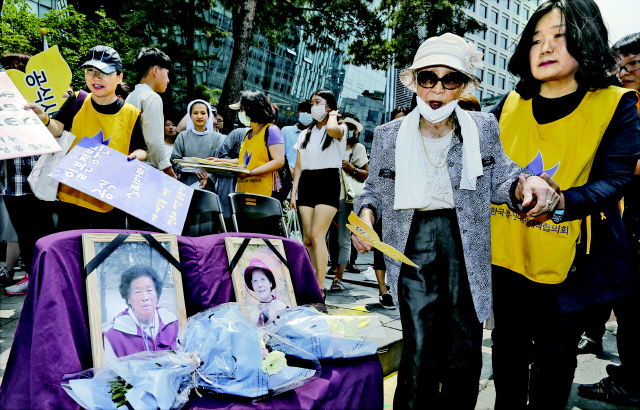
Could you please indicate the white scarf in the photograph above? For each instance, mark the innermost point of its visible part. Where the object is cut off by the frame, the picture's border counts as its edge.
(412, 188)
(208, 126)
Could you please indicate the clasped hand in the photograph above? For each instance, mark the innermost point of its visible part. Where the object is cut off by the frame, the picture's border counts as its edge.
(541, 194)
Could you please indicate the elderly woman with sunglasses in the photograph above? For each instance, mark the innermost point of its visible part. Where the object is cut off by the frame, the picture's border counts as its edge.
(433, 176)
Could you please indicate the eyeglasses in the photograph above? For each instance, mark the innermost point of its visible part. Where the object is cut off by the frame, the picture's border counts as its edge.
(631, 66)
(450, 81)
(94, 72)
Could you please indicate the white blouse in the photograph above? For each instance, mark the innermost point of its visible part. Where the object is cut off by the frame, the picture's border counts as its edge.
(313, 157)
(438, 178)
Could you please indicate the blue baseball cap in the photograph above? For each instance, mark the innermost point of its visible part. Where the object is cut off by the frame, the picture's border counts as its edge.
(104, 58)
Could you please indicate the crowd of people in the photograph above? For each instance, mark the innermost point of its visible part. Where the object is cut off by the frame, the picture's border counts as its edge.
(528, 214)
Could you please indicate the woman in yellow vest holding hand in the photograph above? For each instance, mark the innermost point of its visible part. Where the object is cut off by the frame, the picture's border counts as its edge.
(566, 121)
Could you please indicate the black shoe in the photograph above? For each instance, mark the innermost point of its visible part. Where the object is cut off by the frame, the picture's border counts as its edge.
(352, 268)
(387, 301)
(608, 390)
(588, 346)
(6, 276)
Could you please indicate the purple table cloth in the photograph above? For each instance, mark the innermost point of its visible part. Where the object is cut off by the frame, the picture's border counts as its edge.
(52, 338)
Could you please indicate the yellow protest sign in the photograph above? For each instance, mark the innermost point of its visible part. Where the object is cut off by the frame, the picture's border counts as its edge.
(366, 233)
(45, 80)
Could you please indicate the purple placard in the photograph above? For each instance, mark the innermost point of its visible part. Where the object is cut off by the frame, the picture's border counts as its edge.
(133, 186)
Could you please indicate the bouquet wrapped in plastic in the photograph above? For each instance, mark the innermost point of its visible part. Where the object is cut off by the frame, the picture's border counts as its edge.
(329, 332)
(147, 380)
(242, 359)
(223, 353)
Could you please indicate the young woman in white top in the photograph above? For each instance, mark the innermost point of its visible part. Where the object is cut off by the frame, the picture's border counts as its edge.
(317, 177)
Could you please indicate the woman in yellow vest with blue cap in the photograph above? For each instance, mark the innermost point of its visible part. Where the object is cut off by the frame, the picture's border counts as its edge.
(567, 121)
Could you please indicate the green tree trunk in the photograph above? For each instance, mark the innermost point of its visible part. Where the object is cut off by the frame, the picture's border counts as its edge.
(243, 18)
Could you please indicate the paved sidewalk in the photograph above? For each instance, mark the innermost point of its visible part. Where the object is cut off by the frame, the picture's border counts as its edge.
(359, 292)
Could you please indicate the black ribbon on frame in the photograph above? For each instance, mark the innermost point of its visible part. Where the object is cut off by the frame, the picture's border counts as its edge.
(243, 247)
(118, 240)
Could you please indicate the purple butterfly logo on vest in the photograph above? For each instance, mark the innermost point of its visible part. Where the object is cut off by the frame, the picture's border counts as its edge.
(536, 166)
(99, 138)
(247, 158)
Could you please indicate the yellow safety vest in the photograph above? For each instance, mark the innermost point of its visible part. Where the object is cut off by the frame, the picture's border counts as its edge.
(544, 252)
(87, 123)
(254, 153)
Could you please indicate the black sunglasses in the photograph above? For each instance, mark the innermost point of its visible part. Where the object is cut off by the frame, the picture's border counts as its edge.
(450, 81)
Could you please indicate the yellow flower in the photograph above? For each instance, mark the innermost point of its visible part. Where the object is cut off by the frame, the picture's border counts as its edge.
(274, 363)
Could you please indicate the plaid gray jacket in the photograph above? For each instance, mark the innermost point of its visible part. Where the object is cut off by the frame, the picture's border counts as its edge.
(472, 207)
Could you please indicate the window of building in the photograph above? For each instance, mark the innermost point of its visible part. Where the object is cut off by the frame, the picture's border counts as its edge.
(482, 10)
(368, 136)
(501, 82)
(506, 3)
(511, 87)
(489, 95)
(480, 74)
(492, 58)
(526, 13)
(503, 42)
(478, 94)
(516, 8)
(482, 35)
(372, 116)
(491, 78)
(503, 63)
(505, 23)
(481, 49)
(514, 27)
(494, 16)
(472, 7)
(493, 38)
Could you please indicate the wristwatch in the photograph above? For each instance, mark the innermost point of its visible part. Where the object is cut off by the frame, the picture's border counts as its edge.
(557, 216)
(354, 173)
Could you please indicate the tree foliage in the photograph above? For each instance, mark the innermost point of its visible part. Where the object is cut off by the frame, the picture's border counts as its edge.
(411, 22)
(69, 30)
(322, 24)
(181, 29)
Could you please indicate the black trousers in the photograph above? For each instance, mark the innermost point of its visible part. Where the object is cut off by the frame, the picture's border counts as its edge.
(441, 333)
(627, 309)
(32, 219)
(526, 312)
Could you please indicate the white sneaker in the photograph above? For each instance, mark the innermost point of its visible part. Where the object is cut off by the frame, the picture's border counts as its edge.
(611, 326)
(370, 274)
(19, 288)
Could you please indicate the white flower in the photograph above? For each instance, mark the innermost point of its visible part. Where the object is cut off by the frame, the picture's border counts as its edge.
(274, 363)
(472, 57)
(336, 327)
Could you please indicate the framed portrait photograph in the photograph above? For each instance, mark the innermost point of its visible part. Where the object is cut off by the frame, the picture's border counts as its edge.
(135, 296)
(261, 282)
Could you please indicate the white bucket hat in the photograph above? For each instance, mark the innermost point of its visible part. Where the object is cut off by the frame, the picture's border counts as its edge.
(447, 50)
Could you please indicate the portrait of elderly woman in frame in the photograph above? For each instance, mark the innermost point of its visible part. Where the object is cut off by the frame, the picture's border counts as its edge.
(433, 176)
(143, 325)
(261, 283)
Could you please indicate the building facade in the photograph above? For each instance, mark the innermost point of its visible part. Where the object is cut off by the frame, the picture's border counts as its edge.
(290, 73)
(505, 20)
(40, 7)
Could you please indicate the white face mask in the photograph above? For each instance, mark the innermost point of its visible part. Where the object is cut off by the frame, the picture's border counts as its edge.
(242, 117)
(318, 112)
(436, 116)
